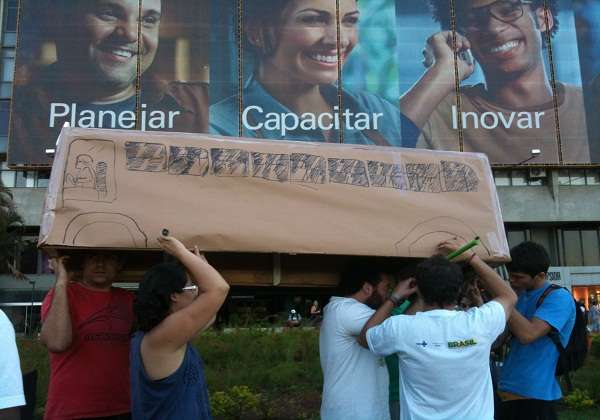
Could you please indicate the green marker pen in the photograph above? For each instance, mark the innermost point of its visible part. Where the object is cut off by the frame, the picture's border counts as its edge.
(464, 248)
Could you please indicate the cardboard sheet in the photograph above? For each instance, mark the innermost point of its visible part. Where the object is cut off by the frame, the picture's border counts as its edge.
(120, 189)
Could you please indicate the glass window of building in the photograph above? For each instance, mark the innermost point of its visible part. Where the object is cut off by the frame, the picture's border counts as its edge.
(7, 175)
(43, 179)
(591, 246)
(519, 178)
(515, 237)
(577, 176)
(8, 70)
(563, 177)
(547, 238)
(502, 178)
(4, 117)
(592, 176)
(572, 247)
(11, 12)
(25, 179)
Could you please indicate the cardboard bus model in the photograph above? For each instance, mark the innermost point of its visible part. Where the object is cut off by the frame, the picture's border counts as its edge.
(119, 189)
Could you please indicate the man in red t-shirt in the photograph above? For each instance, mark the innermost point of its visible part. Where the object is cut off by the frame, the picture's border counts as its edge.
(86, 328)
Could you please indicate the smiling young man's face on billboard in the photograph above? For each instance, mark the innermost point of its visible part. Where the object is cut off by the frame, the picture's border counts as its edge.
(104, 45)
(505, 35)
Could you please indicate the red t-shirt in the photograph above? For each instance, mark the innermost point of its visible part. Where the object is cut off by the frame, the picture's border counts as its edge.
(91, 378)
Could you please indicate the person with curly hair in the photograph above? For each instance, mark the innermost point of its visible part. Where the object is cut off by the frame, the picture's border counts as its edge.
(172, 306)
(443, 354)
(513, 111)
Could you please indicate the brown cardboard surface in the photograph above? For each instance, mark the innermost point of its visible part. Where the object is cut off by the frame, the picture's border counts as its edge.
(120, 189)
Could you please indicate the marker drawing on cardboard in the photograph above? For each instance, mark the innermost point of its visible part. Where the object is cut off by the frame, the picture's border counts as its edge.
(241, 195)
(89, 174)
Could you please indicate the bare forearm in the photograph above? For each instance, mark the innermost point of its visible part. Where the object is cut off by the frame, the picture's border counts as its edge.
(378, 317)
(423, 98)
(521, 327)
(491, 281)
(57, 333)
(206, 277)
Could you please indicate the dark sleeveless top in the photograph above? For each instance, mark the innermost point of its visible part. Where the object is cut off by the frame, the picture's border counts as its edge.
(182, 395)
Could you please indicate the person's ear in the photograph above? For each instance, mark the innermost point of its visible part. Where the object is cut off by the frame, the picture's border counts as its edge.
(174, 297)
(540, 17)
(261, 39)
(367, 288)
(539, 276)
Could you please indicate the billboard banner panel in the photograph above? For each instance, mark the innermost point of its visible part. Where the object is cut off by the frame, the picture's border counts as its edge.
(79, 62)
(587, 21)
(427, 77)
(516, 80)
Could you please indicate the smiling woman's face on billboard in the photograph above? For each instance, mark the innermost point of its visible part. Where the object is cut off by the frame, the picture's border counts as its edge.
(302, 43)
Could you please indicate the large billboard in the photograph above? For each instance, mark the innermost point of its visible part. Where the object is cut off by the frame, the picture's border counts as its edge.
(80, 62)
(514, 79)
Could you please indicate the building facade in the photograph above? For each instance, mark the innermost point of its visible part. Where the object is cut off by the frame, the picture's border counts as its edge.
(555, 205)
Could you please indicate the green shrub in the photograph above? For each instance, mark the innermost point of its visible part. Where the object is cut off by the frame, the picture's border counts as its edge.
(578, 400)
(237, 401)
(595, 351)
(262, 359)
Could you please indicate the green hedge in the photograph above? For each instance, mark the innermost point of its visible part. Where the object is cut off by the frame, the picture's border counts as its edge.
(270, 364)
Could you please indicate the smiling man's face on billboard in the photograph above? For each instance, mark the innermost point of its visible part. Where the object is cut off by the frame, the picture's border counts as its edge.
(105, 42)
(505, 35)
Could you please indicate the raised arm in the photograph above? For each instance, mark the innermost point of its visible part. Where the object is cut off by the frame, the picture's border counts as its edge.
(57, 333)
(490, 280)
(438, 81)
(174, 332)
(403, 289)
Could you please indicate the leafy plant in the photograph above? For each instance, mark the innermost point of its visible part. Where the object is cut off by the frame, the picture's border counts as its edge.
(10, 237)
(234, 403)
(579, 400)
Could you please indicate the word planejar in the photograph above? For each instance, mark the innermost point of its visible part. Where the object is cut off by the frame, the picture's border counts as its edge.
(107, 118)
(445, 176)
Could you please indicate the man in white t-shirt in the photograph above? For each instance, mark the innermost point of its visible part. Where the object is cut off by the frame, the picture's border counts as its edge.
(443, 353)
(11, 381)
(355, 382)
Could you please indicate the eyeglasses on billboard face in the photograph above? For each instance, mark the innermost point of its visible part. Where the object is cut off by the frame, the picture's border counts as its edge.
(506, 11)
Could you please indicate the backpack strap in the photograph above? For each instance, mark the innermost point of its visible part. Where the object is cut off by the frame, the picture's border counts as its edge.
(548, 290)
(553, 335)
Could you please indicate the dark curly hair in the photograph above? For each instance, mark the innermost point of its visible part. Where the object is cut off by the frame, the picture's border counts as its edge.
(530, 258)
(440, 10)
(439, 281)
(152, 302)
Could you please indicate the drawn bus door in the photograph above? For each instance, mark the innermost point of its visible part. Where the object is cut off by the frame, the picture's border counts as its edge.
(99, 229)
(90, 171)
(434, 231)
